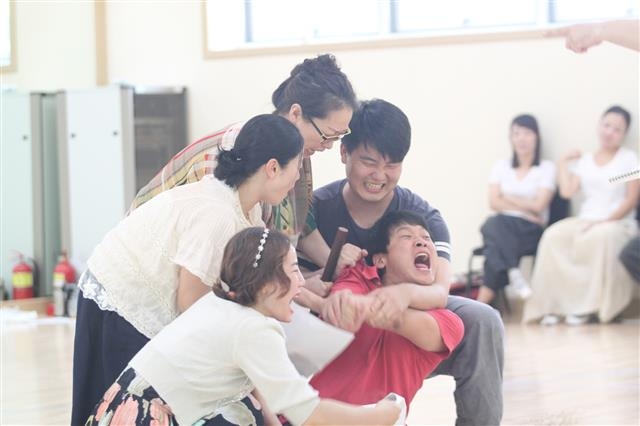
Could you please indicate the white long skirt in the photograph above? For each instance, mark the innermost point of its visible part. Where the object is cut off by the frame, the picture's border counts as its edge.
(578, 272)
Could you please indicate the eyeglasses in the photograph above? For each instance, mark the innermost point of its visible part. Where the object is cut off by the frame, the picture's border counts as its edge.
(326, 138)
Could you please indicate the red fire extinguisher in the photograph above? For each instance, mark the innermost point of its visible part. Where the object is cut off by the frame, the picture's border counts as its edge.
(22, 279)
(63, 275)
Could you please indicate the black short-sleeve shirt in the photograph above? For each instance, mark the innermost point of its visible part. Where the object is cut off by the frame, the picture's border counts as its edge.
(330, 212)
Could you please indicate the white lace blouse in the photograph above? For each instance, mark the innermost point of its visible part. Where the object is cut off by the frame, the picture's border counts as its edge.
(137, 263)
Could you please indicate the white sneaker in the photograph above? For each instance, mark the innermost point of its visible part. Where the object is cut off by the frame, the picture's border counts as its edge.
(577, 319)
(519, 285)
(550, 319)
(521, 290)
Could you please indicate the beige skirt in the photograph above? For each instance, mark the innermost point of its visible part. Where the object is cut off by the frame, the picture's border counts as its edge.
(578, 272)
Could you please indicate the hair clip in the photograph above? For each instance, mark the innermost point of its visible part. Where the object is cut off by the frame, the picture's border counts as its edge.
(263, 240)
(225, 287)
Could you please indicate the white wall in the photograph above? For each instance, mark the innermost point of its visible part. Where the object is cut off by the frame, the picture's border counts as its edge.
(55, 45)
(460, 98)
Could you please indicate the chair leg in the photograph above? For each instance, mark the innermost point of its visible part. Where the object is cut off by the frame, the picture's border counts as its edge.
(505, 300)
(469, 276)
(475, 252)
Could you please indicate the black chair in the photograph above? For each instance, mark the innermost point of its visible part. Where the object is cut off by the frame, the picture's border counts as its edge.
(558, 210)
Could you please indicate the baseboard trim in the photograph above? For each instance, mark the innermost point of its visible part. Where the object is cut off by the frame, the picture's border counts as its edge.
(38, 304)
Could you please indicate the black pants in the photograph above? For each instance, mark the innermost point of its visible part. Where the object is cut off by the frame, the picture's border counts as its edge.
(506, 240)
(630, 257)
(104, 344)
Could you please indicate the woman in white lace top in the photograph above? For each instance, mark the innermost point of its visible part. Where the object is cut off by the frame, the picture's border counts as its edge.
(166, 254)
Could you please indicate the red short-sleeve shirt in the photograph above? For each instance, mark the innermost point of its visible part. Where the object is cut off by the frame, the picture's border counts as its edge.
(379, 361)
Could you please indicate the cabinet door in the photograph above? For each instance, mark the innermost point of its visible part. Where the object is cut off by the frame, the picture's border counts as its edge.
(96, 165)
(16, 181)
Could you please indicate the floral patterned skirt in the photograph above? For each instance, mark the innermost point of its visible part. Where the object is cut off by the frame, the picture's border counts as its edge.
(132, 401)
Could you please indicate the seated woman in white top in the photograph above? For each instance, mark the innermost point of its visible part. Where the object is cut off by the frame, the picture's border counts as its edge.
(520, 191)
(577, 273)
(166, 254)
(199, 367)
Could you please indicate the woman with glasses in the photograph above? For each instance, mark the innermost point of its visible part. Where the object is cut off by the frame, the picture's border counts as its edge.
(319, 100)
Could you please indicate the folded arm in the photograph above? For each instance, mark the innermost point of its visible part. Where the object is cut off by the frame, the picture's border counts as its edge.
(385, 305)
(417, 326)
(531, 208)
(396, 298)
(535, 205)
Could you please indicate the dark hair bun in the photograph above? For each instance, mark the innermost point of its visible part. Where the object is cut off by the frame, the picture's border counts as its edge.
(317, 85)
(322, 64)
(229, 164)
(264, 137)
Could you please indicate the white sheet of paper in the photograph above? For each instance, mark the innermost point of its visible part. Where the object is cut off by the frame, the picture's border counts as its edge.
(311, 342)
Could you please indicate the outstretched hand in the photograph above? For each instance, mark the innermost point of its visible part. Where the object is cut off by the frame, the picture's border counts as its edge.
(579, 37)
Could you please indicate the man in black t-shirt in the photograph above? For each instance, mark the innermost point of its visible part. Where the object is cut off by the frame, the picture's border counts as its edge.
(329, 203)
(373, 154)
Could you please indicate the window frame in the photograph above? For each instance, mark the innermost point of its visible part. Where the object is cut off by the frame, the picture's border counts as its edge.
(393, 40)
(12, 66)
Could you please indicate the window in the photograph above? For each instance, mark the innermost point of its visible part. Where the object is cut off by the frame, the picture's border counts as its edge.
(7, 28)
(253, 25)
(581, 10)
(237, 24)
(429, 16)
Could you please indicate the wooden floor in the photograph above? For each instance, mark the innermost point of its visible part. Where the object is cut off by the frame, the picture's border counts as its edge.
(553, 376)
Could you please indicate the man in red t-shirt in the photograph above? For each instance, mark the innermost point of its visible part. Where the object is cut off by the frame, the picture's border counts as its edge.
(386, 355)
